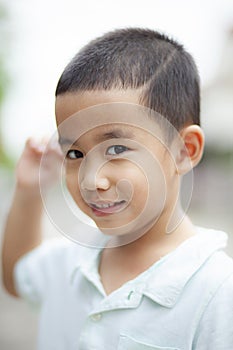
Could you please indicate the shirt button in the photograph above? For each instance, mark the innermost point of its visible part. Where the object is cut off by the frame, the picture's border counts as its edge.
(96, 317)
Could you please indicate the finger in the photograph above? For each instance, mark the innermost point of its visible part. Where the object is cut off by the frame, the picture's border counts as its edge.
(38, 146)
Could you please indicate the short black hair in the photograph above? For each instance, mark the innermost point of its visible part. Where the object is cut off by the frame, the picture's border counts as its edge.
(137, 58)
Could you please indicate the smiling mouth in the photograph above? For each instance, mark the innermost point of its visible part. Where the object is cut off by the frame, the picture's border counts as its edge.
(106, 208)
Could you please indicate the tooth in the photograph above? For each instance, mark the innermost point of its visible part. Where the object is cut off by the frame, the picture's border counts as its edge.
(105, 205)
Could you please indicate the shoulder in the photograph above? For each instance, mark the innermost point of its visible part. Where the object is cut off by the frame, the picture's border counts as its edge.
(51, 260)
(218, 267)
(222, 270)
(217, 278)
(214, 326)
(47, 267)
(55, 252)
(212, 280)
(216, 264)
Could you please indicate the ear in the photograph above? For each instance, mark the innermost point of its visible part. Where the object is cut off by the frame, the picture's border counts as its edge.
(191, 148)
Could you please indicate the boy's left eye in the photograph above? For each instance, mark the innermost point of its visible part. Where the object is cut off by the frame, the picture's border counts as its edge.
(117, 149)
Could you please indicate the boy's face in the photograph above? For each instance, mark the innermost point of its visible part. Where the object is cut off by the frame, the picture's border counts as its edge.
(118, 172)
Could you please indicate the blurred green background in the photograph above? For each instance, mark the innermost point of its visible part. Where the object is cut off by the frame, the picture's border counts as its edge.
(4, 81)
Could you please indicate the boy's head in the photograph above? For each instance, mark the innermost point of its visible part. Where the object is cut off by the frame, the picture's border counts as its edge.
(158, 68)
(118, 168)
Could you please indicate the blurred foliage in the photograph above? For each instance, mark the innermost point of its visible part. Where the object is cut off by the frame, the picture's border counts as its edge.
(4, 81)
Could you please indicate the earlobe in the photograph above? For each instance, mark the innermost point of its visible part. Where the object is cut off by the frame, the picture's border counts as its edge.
(191, 148)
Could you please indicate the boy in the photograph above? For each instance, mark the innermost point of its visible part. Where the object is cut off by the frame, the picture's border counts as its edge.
(127, 110)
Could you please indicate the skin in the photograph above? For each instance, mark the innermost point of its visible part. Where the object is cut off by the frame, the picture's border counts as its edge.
(146, 157)
(23, 228)
(126, 261)
(104, 186)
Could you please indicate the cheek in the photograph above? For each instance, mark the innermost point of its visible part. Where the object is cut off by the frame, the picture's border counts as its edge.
(70, 184)
(73, 186)
(138, 185)
(153, 188)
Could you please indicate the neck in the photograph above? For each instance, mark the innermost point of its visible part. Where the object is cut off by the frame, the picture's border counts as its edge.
(123, 263)
(158, 239)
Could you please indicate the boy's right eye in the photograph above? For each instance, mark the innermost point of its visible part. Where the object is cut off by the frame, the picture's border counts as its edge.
(74, 154)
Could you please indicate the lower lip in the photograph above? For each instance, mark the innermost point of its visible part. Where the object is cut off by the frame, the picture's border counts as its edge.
(108, 211)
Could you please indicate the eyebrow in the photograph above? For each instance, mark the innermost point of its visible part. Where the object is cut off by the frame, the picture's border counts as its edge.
(116, 134)
(112, 134)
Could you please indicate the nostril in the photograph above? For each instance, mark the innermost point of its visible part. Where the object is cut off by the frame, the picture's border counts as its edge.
(94, 184)
(102, 184)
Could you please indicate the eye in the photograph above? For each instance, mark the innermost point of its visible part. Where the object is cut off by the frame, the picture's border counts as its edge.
(117, 149)
(74, 154)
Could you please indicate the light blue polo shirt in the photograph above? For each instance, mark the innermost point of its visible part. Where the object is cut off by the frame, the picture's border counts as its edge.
(184, 301)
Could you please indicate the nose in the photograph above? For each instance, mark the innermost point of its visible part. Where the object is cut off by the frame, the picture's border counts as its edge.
(90, 184)
(93, 176)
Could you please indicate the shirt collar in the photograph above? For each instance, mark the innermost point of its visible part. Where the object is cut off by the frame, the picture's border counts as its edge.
(164, 281)
(167, 280)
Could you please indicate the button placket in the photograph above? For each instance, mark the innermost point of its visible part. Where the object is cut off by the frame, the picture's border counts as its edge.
(96, 317)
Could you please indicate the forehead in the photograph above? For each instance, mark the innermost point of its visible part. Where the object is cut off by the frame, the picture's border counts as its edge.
(103, 133)
(105, 115)
(74, 102)
(74, 131)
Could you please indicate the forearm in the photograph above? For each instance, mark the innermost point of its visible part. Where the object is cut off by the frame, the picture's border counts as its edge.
(22, 232)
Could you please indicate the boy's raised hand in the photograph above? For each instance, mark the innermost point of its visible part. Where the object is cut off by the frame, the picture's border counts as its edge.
(29, 168)
(23, 230)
